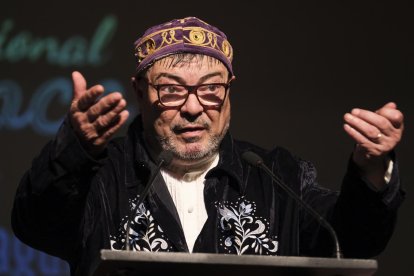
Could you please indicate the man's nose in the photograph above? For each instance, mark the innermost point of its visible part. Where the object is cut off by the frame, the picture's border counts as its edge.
(192, 106)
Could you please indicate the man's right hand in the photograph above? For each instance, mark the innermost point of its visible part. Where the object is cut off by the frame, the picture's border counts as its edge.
(94, 119)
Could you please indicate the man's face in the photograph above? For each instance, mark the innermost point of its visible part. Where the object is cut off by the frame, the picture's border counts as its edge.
(191, 132)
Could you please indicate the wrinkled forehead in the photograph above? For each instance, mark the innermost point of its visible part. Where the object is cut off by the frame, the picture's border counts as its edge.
(188, 63)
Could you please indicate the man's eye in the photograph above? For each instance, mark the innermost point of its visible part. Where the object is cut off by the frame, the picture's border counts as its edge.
(209, 88)
(171, 89)
(212, 87)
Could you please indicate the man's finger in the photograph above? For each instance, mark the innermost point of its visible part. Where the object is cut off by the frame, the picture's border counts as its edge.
(104, 105)
(393, 115)
(378, 121)
(79, 85)
(390, 105)
(366, 128)
(106, 133)
(371, 148)
(104, 120)
(122, 118)
(357, 136)
(89, 98)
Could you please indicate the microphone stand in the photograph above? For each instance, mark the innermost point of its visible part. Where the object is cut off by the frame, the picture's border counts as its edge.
(253, 159)
(164, 159)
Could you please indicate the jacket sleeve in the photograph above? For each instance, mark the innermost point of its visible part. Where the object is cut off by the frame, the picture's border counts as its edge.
(49, 202)
(363, 218)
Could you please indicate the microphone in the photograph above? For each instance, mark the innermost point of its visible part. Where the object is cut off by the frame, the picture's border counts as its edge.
(164, 159)
(256, 161)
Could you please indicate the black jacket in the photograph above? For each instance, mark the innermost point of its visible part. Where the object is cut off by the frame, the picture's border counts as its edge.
(71, 206)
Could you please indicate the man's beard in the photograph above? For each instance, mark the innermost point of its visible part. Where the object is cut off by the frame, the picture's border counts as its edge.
(168, 143)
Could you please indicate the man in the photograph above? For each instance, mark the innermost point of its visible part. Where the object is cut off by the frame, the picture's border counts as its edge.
(77, 197)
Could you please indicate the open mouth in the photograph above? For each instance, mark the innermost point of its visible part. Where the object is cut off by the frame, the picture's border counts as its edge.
(182, 130)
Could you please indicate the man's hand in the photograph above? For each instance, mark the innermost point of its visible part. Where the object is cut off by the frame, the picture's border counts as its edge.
(94, 119)
(376, 134)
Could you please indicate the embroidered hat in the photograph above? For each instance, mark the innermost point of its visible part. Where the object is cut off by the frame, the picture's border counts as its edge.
(187, 35)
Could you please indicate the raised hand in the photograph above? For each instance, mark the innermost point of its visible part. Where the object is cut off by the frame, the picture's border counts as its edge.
(95, 119)
(376, 134)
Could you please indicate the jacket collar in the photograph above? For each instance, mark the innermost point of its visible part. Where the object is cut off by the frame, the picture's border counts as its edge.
(230, 163)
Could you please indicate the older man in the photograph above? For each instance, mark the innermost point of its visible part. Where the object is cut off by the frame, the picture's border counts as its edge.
(78, 196)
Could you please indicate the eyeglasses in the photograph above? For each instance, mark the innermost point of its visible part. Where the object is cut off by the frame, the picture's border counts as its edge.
(208, 94)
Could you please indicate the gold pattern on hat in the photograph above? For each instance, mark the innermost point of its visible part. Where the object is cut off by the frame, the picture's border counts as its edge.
(197, 36)
(226, 48)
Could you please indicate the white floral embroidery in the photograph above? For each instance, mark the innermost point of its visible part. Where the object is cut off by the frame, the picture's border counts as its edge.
(144, 233)
(242, 230)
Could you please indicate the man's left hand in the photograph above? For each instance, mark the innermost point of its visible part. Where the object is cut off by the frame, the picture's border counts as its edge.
(376, 134)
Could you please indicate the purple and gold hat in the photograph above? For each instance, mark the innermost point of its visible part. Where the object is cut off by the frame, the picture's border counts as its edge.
(187, 35)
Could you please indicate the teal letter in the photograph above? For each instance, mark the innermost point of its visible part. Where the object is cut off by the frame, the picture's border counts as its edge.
(73, 51)
(5, 28)
(40, 46)
(17, 47)
(101, 38)
(43, 98)
(11, 96)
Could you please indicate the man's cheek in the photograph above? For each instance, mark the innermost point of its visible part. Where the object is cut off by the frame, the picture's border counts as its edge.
(163, 128)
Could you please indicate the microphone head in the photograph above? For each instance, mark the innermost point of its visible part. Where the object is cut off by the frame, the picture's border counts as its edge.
(165, 157)
(252, 158)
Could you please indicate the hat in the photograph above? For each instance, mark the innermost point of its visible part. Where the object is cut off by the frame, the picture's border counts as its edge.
(187, 35)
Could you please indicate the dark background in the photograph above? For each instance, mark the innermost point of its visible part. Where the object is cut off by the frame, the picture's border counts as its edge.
(300, 66)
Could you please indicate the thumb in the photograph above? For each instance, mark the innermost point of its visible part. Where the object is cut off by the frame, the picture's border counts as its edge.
(390, 105)
(79, 85)
(387, 106)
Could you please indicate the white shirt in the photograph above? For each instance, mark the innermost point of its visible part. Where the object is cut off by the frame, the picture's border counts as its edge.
(188, 196)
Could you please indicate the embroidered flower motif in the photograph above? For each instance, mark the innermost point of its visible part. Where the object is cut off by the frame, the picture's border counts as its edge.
(242, 230)
(144, 233)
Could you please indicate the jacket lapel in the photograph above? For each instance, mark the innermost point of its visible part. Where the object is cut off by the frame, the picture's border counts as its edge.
(165, 212)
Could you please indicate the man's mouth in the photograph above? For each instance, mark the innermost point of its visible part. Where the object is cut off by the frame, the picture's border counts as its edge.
(190, 133)
(189, 129)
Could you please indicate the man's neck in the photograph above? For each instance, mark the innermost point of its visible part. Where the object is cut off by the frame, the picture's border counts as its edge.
(178, 168)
